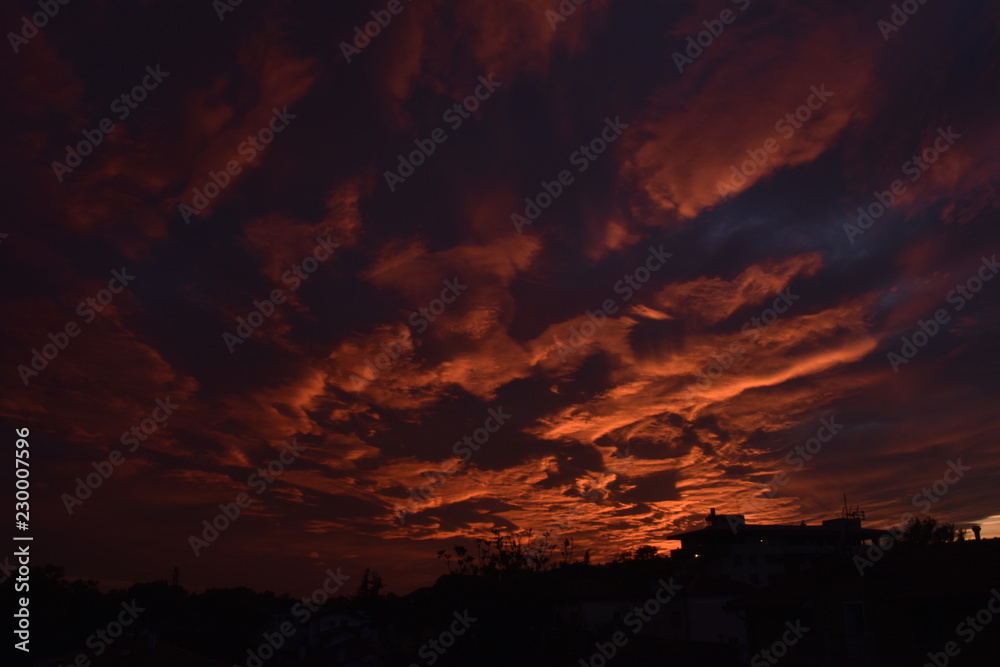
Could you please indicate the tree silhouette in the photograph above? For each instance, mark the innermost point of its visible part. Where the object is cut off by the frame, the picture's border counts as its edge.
(927, 531)
(505, 554)
(369, 588)
(646, 552)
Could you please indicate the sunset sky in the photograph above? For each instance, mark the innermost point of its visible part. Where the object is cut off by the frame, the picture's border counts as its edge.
(696, 205)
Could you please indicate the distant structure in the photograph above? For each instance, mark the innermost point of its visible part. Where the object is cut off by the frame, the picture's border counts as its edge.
(851, 512)
(731, 549)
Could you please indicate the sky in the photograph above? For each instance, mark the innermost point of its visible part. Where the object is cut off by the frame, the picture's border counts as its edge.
(491, 264)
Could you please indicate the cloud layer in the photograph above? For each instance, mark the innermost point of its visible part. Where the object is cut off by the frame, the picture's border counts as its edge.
(667, 330)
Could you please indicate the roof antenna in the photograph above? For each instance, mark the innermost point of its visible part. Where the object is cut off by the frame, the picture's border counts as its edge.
(851, 512)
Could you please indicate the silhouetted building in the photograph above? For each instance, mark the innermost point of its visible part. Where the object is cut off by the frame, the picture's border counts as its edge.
(729, 548)
(909, 604)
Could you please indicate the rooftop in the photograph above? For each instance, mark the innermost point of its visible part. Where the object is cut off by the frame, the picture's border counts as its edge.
(736, 524)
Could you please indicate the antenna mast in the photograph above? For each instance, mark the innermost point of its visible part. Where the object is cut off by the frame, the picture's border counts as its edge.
(852, 512)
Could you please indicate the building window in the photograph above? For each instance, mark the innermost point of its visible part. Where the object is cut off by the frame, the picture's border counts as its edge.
(738, 559)
(753, 559)
(754, 579)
